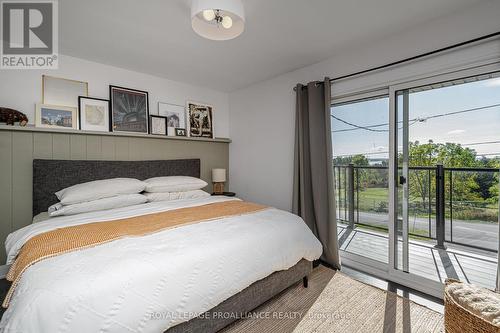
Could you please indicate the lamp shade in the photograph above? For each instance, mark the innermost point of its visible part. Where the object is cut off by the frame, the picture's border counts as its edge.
(230, 28)
(218, 175)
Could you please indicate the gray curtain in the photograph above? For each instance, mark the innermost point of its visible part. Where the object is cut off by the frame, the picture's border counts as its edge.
(313, 188)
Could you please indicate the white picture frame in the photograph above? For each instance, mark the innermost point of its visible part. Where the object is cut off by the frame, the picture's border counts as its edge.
(194, 111)
(56, 116)
(63, 92)
(175, 114)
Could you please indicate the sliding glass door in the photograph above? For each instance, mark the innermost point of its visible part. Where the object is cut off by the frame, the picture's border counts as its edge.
(417, 170)
(360, 138)
(445, 162)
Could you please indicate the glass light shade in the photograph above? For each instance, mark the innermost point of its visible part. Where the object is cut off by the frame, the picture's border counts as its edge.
(233, 26)
(227, 22)
(208, 14)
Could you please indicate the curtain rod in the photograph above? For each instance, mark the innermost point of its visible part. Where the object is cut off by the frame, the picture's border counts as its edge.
(423, 55)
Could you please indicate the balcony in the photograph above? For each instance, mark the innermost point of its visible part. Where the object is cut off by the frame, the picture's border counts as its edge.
(453, 231)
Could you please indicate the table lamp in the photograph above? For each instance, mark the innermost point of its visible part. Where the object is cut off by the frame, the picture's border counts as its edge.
(218, 179)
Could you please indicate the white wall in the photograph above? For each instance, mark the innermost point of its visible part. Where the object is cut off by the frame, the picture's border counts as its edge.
(21, 89)
(263, 115)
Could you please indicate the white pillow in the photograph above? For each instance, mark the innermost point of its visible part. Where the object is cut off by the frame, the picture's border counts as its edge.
(174, 184)
(43, 216)
(99, 189)
(169, 196)
(100, 204)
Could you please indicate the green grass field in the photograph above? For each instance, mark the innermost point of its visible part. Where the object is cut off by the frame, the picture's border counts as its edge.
(376, 200)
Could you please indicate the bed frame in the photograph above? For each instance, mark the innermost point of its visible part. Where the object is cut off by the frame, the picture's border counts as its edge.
(50, 176)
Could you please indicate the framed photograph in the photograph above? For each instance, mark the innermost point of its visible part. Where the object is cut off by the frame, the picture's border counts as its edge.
(93, 114)
(200, 118)
(176, 114)
(158, 125)
(64, 92)
(129, 110)
(180, 132)
(55, 116)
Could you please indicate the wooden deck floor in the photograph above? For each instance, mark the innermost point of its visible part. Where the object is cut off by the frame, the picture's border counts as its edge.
(425, 260)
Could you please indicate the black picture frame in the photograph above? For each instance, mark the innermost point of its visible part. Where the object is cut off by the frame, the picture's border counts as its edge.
(180, 132)
(151, 126)
(141, 125)
(80, 111)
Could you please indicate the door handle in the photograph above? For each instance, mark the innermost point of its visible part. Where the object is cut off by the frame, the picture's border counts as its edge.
(402, 180)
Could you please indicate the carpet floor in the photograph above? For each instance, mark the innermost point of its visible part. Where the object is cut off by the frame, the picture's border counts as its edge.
(335, 302)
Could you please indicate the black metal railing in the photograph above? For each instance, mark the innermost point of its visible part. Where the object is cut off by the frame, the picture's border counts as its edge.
(445, 204)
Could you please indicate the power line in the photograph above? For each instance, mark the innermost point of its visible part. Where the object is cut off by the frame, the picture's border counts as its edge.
(462, 111)
(358, 126)
(415, 120)
(480, 143)
(386, 152)
(461, 144)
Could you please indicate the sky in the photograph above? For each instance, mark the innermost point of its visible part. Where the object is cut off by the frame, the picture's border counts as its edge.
(468, 128)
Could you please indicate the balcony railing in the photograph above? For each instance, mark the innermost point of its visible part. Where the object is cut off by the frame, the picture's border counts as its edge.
(455, 205)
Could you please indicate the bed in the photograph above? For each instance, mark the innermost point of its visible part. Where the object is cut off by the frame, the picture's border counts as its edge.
(195, 278)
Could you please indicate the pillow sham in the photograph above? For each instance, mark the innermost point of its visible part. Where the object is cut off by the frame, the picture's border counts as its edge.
(169, 196)
(99, 189)
(174, 184)
(100, 204)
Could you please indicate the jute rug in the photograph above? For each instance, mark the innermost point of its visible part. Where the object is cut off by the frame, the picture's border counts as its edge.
(335, 302)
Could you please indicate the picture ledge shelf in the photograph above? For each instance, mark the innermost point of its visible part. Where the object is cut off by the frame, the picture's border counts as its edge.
(132, 135)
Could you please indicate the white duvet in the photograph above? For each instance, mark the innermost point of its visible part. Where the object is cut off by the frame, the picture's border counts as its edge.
(151, 283)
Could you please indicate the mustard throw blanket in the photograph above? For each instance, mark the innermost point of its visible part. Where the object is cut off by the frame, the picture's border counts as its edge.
(59, 241)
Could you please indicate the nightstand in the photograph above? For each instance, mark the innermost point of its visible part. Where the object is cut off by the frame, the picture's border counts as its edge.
(227, 194)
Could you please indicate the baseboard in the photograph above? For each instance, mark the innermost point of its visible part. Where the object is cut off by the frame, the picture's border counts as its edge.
(3, 271)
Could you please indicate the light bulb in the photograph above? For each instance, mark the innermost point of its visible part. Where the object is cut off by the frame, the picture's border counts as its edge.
(227, 22)
(208, 14)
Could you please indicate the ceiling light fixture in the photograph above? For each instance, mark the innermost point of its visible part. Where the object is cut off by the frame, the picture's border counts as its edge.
(218, 19)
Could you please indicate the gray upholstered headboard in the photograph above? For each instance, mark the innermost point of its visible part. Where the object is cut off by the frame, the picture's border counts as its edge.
(50, 176)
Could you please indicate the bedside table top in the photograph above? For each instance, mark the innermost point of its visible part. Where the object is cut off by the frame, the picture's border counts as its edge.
(227, 194)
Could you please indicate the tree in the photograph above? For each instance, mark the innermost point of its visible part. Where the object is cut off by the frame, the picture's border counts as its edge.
(357, 160)
(465, 186)
(360, 160)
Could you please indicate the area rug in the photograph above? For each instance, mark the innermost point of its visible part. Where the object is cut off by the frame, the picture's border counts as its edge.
(335, 302)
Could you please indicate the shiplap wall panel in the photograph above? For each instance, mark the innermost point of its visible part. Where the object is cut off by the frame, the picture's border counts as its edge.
(61, 148)
(108, 148)
(6, 189)
(134, 148)
(78, 147)
(94, 148)
(19, 148)
(42, 145)
(22, 175)
(121, 149)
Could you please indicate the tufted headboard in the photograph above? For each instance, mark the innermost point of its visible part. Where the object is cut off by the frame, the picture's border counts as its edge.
(50, 176)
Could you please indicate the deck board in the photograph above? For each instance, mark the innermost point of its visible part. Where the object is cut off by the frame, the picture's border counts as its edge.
(425, 260)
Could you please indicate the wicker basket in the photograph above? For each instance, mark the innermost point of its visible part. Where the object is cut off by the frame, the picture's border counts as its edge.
(457, 319)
